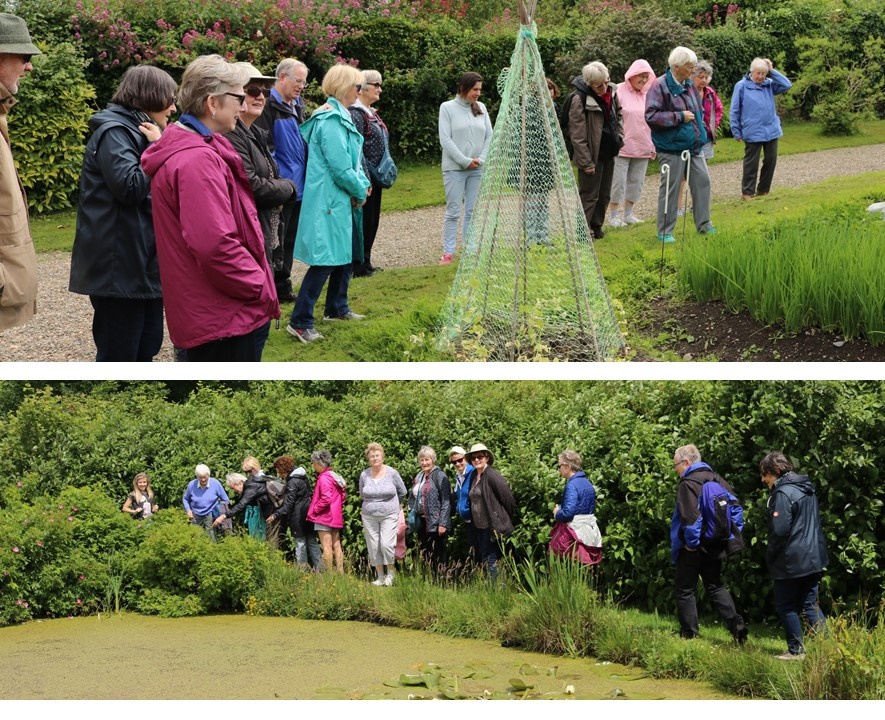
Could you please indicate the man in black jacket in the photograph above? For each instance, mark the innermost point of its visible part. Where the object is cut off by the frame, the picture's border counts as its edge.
(282, 118)
(797, 551)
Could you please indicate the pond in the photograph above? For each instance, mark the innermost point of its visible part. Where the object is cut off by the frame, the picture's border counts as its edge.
(237, 657)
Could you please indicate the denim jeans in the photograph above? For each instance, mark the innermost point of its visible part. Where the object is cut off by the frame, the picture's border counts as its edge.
(487, 550)
(261, 335)
(311, 287)
(462, 187)
(791, 597)
(307, 548)
(126, 330)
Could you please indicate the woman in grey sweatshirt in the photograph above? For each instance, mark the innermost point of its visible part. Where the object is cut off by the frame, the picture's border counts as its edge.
(382, 491)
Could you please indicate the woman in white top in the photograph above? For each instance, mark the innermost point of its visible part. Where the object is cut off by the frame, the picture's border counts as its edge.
(465, 134)
(382, 491)
(140, 503)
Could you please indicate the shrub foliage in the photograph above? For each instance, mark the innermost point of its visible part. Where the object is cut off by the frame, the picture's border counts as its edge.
(81, 447)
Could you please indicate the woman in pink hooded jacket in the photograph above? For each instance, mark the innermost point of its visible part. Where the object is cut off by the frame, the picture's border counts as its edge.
(632, 161)
(326, 510)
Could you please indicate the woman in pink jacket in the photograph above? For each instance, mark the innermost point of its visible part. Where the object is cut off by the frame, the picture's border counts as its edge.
(632, 161)
(218, 289)
(326, 510)
(712, 105)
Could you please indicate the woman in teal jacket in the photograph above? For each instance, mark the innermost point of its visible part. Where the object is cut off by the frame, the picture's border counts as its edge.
(334, 191)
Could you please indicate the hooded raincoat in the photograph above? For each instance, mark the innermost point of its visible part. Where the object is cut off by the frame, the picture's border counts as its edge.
(215, 276)
(334, 176)
(753, 113)
(637, 133)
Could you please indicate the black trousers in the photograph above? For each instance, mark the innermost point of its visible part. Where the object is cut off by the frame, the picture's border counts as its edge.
(242, 348)
(126, 330)
(282, 278)
(752, 151)
(371, 218)
(708, 567)
(595, 191)
(433, 548)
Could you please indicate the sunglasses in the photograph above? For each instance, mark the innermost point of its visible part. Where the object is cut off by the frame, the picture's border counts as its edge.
(458, 461)
(240, 98)
(359, 87)
(255, 91)
(25, 58)
(377, 85)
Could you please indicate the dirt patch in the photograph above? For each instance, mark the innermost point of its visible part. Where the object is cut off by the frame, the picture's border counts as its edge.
(710, 331)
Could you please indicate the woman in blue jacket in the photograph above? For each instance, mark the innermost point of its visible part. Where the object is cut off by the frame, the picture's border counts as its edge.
(335, 187)
(754, 121)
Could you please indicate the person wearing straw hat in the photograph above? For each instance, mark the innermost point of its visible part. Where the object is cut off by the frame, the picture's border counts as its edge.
(18, 260)
(492, 507)
(271, 191)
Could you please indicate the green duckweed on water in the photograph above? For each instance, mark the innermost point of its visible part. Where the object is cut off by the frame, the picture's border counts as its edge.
(237, 657)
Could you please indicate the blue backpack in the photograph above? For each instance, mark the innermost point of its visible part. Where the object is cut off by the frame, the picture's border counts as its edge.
(723, 516)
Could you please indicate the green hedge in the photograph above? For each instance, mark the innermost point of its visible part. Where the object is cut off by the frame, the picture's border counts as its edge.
(90, 440)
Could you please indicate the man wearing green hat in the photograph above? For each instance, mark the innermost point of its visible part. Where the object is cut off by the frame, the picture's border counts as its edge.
(18, 262)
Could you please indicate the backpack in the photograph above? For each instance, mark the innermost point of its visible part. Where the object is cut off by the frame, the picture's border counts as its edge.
(563, 118)
(276, 491)
(723, 516)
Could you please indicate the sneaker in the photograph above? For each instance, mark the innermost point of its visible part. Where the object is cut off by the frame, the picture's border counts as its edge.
(790, 656)
(305, 335)
(632, 220)
(617, 221)
(349, 315)
(379, 581)
(709, 231)
(667, 239)
(445, 259)
(388, 580)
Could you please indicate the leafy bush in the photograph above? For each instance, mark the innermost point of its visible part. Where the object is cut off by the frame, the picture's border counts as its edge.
(48, 127)
(731, 50)
(621, 38)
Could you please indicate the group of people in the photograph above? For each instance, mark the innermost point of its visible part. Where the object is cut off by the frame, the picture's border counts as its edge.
(616, 129)
(706, 526)
(202, 217)
(796, 553)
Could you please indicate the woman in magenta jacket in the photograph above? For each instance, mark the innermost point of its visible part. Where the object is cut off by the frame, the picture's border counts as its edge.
(218, 288)
(326, 510)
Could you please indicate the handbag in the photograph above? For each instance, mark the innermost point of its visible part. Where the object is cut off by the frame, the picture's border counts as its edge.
(386, 171)
(413, 521)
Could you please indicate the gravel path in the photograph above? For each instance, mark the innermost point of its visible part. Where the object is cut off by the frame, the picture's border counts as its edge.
(62, 329)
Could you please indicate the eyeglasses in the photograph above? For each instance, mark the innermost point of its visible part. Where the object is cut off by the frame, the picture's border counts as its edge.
(377, 85)
(562, 465)
(458, 461)
(254, 91)
(240, 98)
(296, 81)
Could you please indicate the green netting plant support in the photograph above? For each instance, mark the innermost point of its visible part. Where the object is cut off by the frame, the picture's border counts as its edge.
(528, 285)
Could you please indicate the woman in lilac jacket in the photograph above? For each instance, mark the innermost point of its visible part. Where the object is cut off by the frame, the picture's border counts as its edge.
(217, 286)
(326, 510)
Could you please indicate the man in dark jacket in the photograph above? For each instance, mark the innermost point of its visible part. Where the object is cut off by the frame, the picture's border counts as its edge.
(797, 551)
(695, 556)
(282, 118)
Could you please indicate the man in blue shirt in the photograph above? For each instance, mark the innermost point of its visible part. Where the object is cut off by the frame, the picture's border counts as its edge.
(201, 497)
(282, 117)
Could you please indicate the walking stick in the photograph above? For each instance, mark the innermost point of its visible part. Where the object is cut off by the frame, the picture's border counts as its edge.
(686, 158)
(665, 170)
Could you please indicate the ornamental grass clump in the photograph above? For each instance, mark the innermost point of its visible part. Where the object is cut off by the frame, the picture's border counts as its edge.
(819, 271)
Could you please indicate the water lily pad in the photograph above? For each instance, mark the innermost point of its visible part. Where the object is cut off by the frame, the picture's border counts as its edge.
(527, 669)
(519, 685)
